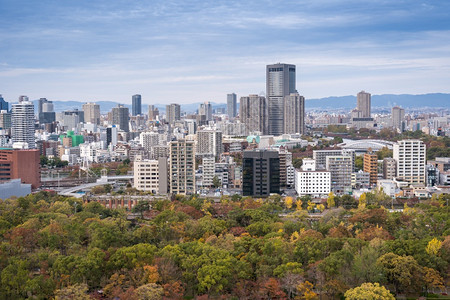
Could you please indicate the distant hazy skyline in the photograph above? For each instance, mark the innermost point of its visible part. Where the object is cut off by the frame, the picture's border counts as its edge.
(191, 51)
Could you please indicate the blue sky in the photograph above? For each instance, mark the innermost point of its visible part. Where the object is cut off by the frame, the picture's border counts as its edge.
(191, 51)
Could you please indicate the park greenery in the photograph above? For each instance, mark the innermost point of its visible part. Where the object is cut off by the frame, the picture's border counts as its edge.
(236, 248)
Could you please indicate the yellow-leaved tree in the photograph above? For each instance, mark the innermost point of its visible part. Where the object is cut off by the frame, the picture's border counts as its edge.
(288, 201)
(434, 246)
(368, 290)
(330, 201)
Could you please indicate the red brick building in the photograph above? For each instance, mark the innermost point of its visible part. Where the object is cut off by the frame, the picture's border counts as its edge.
(23, 164)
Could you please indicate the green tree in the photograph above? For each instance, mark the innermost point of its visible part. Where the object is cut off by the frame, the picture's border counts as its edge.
(216, 182)
(13, 278)
(369, 291)
(402, 271)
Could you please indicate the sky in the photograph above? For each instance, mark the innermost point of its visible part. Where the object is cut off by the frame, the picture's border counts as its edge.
(193, 51)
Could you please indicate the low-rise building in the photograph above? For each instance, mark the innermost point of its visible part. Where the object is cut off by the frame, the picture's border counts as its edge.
(309, 181)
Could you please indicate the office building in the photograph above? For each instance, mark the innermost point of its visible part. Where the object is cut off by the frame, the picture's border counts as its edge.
(205, 109)
(341, 168)
(253, 112)
(5, 119)
(41, 102)
(120, 116)
(150, 175)
(111, 135)
(22, 122)
(173, 113)
(3, 104)
(294, 114)
(309, 181)
(136, 105)
(231, 105)
(398, 118)
(91, 113)
(410, 156)
(46, 113)
(280, 82)
(70, 119)
(260, 173)
(363, 104)
(153, 113)
(320, 156)
(182, 167)
(371, 166)
(209, 142)
(20, 164)
(389, 168)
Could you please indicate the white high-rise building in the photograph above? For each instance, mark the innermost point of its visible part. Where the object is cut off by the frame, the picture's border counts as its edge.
(22, 121)
(410, 156)
(146, 175)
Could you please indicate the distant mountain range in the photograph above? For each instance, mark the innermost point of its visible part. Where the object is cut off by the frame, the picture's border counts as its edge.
(346, 102)
(387, 100)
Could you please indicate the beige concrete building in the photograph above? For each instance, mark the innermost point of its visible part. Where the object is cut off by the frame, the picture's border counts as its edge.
(182, 167)
(294, 113)
(91, 113)
(363, 104)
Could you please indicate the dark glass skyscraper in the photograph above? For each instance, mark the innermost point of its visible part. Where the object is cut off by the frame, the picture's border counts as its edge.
(231, 105)
(3, 104)
(136, 108)
(260, 173)
(280, 82)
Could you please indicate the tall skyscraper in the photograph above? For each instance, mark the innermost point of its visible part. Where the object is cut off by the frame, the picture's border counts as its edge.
(3, 104)
(410, 156)
(231, 105)
(398, 118)
(294, 113)
(22, 121)
(91, 113)
(121, 116)
(253, 113)
(260, 173)
(173, 113)
(41, 102)
(182, 167)
(205, 109)
(136, 105)
(280, 82)
(363, 104)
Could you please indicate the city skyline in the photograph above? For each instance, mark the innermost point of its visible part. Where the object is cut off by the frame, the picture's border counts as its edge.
(204, 50)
